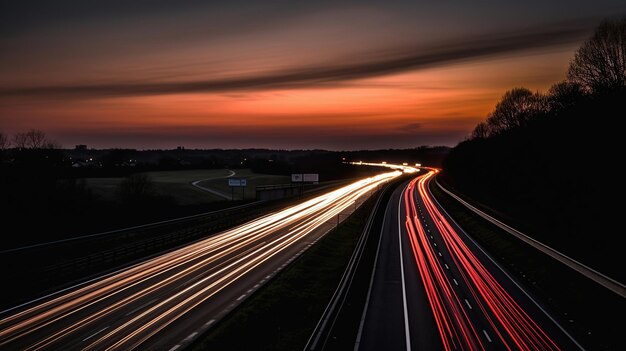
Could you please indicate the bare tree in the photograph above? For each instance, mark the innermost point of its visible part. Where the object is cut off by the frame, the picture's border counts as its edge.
(600, 63)
(517, 107)
(33, 139)
(480, 131)
(4, 141)
(136, 187)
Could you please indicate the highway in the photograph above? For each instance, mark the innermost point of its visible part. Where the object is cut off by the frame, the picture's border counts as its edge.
(166, 302)
(436, 289)
(430, 286)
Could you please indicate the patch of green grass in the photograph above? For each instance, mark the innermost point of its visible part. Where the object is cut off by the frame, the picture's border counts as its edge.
(282, 314)
(588, 310)
(254, 180)
(177, 184)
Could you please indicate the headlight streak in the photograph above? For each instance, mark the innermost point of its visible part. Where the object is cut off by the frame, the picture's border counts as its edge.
(512, 325)
(220, 260)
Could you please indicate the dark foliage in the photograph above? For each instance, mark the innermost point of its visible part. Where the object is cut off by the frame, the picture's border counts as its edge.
(552, 176)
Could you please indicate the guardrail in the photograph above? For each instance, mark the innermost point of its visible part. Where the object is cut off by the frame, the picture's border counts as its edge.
(586, 271)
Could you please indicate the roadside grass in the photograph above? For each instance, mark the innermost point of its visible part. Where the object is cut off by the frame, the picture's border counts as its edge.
(587, 310)
(254, 180)
(282, 314)
(177, 184)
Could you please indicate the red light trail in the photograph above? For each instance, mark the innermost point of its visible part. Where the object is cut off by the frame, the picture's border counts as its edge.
(511, 324)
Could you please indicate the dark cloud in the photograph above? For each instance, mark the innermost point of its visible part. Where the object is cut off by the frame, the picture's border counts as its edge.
(390, 62)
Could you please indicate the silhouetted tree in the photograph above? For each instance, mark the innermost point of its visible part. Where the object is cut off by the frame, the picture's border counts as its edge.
(4, 141)
(517, 107)
(600, 63)
(135, 188)
(33, 139)
(480, 131)
(564, 95)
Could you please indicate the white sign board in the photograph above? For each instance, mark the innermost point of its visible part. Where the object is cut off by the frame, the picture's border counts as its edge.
(311, 177)
(307, 177)
(237, 182)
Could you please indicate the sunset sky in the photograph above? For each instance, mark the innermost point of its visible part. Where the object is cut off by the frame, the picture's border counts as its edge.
(338, 75)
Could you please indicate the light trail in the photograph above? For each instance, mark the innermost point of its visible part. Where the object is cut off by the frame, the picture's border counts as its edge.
(513, 327)
(133, 305)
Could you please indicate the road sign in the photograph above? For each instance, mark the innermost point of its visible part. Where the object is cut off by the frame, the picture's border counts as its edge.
(311, 177)
(237, 182)
(306, 177)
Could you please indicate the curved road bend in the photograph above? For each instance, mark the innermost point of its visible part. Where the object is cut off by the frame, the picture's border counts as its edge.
(434, 288)
(215, 192)
(167, 301)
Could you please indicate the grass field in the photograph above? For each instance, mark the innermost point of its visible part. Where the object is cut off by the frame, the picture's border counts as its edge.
(177, 184)
(254, 180)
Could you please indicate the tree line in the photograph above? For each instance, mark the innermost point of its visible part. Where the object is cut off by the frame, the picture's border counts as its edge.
(598, 68)
(547, 161)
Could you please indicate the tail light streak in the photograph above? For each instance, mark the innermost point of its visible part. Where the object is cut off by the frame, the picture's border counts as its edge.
(511, 324)
(219, 260)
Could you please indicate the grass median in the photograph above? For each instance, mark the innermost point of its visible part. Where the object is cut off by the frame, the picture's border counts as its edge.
(282, 314)
(586, 309)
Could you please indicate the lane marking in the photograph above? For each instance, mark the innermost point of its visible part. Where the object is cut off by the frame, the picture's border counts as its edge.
(486, 335)
(176, 347)
(454, 280)
(445, 264)
(241, 297)
(468, 304)
(209, 323)
(191, 336)
(453, 222)
(439, 253)
(96, 333)
(406, 313)
(140, 307)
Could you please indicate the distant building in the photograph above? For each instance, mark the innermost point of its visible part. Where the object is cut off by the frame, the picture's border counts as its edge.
(180, 148)
(81, 147)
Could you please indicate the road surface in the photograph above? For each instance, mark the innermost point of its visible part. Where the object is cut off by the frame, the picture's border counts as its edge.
(434, 288)
(214, 191)
(166, 302)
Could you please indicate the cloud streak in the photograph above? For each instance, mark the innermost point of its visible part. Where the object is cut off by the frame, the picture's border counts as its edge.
(390, 62)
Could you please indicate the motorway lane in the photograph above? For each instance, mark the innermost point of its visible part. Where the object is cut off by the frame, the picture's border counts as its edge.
(386, 322)
(478, 306)
(141, 306)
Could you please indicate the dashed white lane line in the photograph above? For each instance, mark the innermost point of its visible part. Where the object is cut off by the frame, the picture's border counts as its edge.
(249, 291)
(445, 264)
(256, 286)
(435, 244)
(454, 280)
(241, 297)
(468, 304)
(268, 277)
(176, 347)
(96, 333)
(209, 323)
(140, 307)
(191, 336)
(486, 335)
(439, 254)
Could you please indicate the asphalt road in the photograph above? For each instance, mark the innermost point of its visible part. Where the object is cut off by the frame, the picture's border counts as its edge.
(166, 302)
(434, 288)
